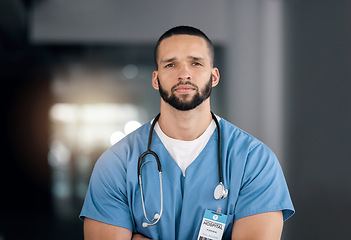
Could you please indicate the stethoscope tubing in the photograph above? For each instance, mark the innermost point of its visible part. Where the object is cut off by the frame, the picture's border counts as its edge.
(157, 216)
(222, 191)
(220, 172)
(148, 151)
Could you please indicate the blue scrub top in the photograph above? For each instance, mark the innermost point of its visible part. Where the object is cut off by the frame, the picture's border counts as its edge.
(251, 173)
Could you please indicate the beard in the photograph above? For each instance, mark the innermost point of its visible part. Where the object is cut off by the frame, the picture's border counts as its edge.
(183, 103)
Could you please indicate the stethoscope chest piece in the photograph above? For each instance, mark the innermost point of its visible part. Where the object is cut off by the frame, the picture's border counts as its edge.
(220, 192)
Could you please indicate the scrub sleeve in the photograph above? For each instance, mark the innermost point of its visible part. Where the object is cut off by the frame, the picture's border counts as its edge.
(263, 187)
(106, 200)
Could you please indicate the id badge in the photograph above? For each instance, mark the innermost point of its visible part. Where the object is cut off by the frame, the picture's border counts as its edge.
(212, 226)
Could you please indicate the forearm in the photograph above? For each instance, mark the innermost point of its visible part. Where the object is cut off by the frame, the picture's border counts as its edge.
(138, 236)
(95, 230)
(264, 226)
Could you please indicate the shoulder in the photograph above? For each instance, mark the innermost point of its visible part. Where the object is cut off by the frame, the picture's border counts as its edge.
(251, 154)
(122, 152)
(245, 150)
(233, 136)
(132, 140)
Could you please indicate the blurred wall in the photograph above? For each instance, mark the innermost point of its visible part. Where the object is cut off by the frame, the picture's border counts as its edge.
(133, 21)
(250, 31)
(318, 93)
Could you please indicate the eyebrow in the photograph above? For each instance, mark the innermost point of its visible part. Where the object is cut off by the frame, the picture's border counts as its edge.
(168, 60)
(189, 57)
(196, 58)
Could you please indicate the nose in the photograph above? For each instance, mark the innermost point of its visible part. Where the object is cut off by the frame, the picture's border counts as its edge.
(184, 73)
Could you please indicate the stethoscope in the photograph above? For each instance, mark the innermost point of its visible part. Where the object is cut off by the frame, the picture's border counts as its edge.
(220, 191)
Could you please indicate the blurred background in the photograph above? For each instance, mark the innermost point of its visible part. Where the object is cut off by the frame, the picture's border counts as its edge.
(76, 78)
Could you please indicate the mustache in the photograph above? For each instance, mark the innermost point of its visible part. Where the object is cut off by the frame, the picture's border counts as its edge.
(183, 84)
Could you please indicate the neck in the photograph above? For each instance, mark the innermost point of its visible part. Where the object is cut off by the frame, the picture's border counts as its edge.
(185, 125)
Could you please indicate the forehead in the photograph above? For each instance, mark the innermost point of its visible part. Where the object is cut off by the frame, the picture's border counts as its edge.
(183, 44)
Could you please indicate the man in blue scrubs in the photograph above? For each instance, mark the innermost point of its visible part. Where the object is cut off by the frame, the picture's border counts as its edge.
(185, 139)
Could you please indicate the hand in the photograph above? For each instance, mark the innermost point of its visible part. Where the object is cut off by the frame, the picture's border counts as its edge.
(138, 236)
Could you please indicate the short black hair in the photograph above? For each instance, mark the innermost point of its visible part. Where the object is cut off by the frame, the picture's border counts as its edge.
(183, 30)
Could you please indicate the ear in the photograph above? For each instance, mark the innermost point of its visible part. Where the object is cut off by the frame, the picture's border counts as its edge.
(215, 77)
(155, 80)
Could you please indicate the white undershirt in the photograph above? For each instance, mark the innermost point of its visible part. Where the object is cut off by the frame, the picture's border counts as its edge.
(185, 152)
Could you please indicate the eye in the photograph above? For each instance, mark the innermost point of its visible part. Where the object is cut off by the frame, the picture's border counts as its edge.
(197, 64)
(169, 65)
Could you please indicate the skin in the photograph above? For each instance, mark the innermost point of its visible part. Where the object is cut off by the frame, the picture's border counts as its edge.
(186, 58)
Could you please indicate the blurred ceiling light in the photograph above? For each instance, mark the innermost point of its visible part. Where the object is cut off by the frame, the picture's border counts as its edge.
(59, 155)
(93, 113)
(130, 71)
(64, 113)
(130, 126)
(116, 137)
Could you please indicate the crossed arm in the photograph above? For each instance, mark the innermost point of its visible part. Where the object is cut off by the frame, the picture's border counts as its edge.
(264, 226)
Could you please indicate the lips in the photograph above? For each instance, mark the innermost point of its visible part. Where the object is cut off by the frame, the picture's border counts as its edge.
(186, 87)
